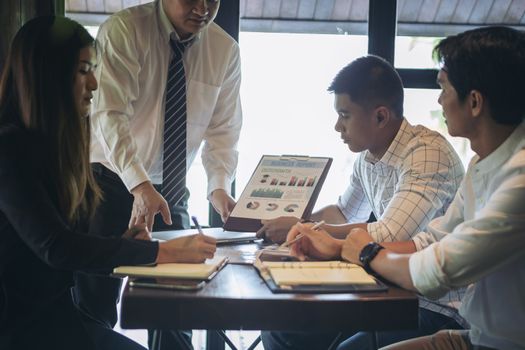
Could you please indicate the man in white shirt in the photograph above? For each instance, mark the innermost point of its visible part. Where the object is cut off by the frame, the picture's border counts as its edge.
(137, 47)
(480, 241)
(406, 175)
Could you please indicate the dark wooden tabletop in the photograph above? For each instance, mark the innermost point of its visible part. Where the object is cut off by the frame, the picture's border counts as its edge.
(237, 298)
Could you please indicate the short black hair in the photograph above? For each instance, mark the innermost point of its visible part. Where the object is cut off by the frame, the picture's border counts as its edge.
(490, 60)
(370, 81)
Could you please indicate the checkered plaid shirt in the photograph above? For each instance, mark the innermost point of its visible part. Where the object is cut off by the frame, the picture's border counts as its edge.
(414, 182)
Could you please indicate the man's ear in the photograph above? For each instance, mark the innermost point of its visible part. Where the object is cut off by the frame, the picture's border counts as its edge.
(476, 103)
(382, 115)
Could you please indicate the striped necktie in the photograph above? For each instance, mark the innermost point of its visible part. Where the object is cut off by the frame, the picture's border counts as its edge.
(174, 162)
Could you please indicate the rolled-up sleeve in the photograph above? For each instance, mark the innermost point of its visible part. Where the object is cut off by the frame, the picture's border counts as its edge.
(476, 247)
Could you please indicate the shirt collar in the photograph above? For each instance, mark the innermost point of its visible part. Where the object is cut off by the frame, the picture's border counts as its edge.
(392, 155)
(503, 153)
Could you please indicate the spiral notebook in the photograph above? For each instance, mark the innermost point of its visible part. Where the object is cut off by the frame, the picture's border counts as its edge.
(317, 277)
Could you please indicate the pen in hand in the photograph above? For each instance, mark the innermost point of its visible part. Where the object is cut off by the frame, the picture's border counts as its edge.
(196, 222)
(299, 236)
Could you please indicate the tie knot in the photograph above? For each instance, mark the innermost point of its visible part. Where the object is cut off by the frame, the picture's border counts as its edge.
(179, 47)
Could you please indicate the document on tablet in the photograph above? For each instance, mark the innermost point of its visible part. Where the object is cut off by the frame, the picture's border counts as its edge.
(280, 186)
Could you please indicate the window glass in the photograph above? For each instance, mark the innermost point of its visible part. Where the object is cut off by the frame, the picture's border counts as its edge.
(415, 52)
(286, 107)
(421, 107)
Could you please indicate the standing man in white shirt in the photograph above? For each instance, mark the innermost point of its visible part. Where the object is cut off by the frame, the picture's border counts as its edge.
(480, 241)
(406, 175)
(145, 52)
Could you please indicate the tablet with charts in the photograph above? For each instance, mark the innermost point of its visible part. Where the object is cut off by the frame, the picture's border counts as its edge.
(280, 186)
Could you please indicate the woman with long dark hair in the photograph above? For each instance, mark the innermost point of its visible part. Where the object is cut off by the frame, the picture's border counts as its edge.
(47, 191)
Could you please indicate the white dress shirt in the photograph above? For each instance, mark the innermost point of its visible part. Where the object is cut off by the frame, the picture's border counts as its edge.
(482, 241)
(128, 108)
(414, 182)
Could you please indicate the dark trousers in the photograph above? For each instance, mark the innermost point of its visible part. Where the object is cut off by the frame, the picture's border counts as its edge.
(97, 296)
(429, 323)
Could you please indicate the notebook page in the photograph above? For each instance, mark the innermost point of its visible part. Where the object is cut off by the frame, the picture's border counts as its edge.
(309, 264)
(320, 276)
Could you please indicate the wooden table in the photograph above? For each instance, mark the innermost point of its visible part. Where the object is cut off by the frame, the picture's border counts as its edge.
(237, 298)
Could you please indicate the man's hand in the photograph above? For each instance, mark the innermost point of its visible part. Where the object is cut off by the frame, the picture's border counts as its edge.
(222, 202)
(146, 204)
(138, 232)
(354, 243)
(275, 230)
(187, 249)
(315, 244)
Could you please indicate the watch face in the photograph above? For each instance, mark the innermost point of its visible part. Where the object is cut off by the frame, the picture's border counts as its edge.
(365, 253)
(369, 252)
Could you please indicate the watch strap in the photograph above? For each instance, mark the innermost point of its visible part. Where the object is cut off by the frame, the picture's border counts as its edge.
(368, 253)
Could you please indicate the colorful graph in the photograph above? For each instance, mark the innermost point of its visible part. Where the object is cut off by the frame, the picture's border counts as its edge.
(267, 193)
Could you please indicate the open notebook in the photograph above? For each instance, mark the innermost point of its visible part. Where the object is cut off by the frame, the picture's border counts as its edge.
(205, 271)
(316, 277)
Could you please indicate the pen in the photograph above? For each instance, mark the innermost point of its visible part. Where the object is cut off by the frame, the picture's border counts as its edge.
(196, 222)
(299, 236)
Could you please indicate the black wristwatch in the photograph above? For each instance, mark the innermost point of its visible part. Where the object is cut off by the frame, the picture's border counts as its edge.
(368, 253)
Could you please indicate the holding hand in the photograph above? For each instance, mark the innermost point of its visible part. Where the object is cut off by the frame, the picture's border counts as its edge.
(354, 244)
(223, 203)
(188, 249)
(146, 204)
(315, 244)
(275, 230)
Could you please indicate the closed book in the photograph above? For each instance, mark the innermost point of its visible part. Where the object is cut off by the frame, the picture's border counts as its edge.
(204, 271)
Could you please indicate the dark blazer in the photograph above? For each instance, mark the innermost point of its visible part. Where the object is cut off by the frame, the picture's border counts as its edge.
(39, 252)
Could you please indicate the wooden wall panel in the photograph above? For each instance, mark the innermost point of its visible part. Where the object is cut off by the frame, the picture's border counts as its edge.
(498, 11)
(342, 10)
(463, 11)
(77, 6)
(242, 8)
(306, 9)
(516, 12)
(446, 11)
(410, 11)
(428, 10)
(113, 5)
(271, 8)
(289, 8)
(480, 11)
(359, 10)
(324, 9)
(254, 8)
(96, 6)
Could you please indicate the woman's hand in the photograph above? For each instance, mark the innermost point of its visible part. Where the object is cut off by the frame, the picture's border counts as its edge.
(188, 249)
